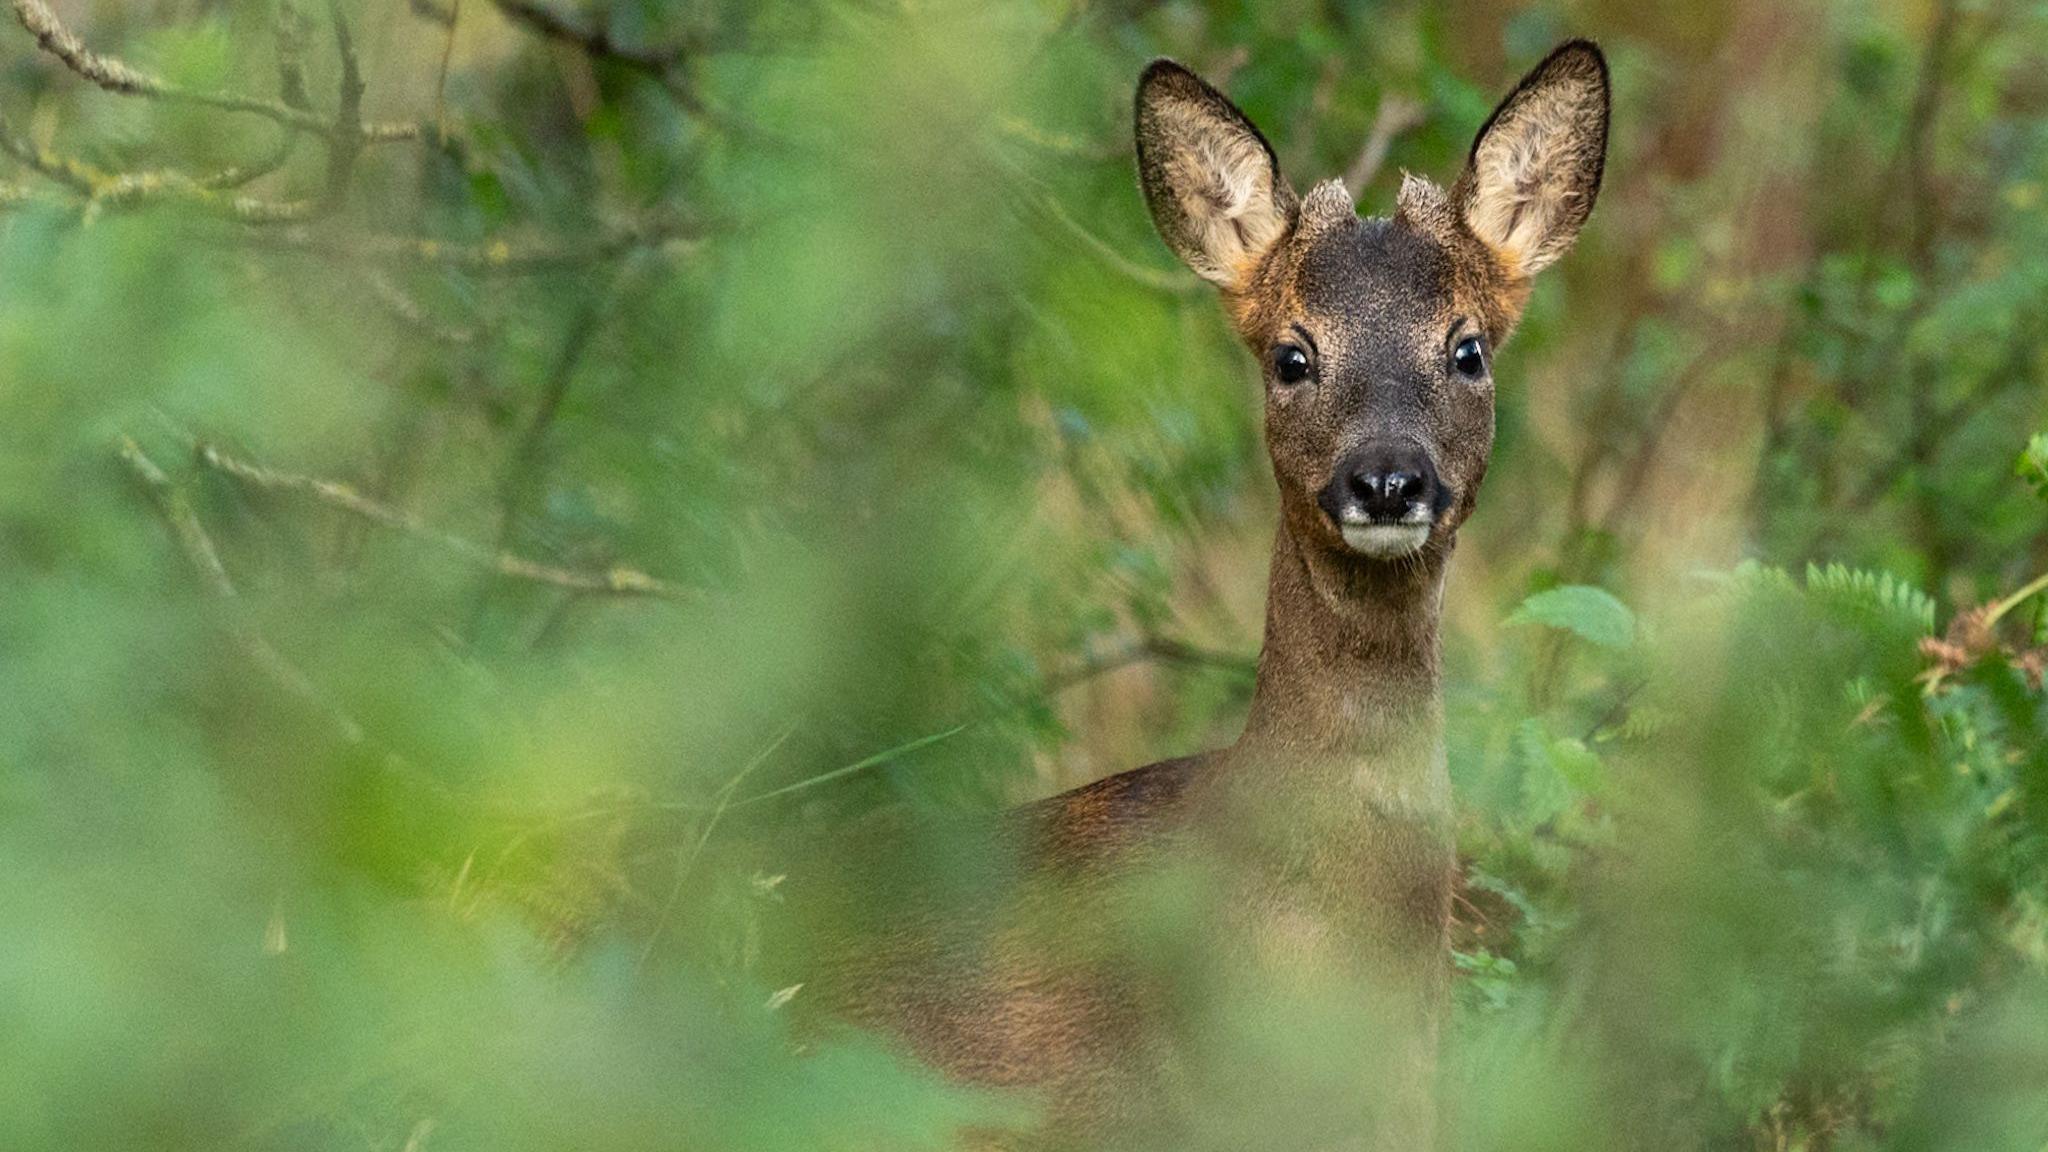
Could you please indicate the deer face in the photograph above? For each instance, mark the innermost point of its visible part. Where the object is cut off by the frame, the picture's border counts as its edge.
(1376, 335)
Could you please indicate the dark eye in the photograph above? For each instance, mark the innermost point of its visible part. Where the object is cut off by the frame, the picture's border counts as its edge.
(1469, 358)
(1290, 364)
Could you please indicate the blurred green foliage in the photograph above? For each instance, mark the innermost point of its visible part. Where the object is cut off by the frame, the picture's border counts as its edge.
(447, 586)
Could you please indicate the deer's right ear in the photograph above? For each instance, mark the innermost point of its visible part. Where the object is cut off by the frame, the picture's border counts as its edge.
(1535, 167)
(1211, 181)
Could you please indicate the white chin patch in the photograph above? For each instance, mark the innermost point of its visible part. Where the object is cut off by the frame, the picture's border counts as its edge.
(1385, 541)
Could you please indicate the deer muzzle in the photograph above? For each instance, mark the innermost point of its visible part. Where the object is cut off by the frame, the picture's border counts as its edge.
(1384, 498)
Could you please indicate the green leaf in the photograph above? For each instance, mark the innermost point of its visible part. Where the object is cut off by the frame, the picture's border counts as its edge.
(1592, 614)
(1878, 595)
(2033, 464)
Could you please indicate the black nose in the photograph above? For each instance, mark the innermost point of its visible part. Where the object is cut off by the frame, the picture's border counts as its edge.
(1388, 494)
(1384, 481)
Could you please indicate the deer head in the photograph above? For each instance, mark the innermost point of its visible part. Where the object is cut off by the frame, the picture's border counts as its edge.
(1377, 335)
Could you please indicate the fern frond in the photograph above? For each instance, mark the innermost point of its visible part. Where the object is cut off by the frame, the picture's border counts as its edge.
(1876, 594)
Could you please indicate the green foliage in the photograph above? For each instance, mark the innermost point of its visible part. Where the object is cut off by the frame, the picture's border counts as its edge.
(1891, 601)
(2033, 464)
(440, 621)
(1592, 614)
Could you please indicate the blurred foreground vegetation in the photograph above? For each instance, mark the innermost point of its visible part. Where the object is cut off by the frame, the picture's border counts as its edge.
(484, 482)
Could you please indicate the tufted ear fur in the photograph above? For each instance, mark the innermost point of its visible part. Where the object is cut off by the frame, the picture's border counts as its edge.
(1535, 167)
(1211, 181)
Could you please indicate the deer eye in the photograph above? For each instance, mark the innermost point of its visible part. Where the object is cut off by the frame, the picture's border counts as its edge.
(1290, 364)
(1468, 359)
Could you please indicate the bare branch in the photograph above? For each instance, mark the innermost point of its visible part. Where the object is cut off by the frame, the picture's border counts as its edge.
(1172, 282)
(499, 257)
(292, 29)
(228, 179)
(392, 131)
(128, 189)
(102, 190)
(74, 174)
(14, 196)
(345, 142)
(1396, 115)
(617, 581)
(593, 39)
(435, 12)
(453, 15)
(589, 36)
(521, 480)
(115, 75)
(105, 71)
(409, 311)
(1141, 649)
(205, 559)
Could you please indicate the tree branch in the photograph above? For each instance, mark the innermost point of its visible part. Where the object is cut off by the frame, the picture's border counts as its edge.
(205, 559)
(412, 314)
(345, 136)
(500, 257)
(589, 36)
(117, 76)
(345, 139)
(522, 477)
(1396, 115)
(102, 190)
(1140, 649)
(1174, 283)
(665, 65)
(617, 581)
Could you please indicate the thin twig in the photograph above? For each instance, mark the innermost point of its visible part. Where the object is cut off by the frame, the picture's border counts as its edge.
(117, 76)
(134, 189)
(877, 760)
(441, 73)
(239, 175)
(15, 196)
(668, 65)
(522, 475)
(411, 313)
(435, 12)
(73, 174)
(618, 581)
(492, 257)
(589, 36)
(292, 29)
(199, 549)
(687, 863)
(1141, 649)
(2001, 607)
(345, 140)
(1396, 115)
(101, 190)
(1172, 282)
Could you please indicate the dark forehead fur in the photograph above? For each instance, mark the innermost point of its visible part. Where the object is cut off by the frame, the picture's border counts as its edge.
(1377, 270)
(1380, 272)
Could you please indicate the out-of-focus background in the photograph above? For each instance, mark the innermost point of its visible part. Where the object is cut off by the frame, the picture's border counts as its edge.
(484, 482)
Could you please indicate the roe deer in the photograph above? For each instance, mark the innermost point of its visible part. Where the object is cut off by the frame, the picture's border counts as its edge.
(1318, 845)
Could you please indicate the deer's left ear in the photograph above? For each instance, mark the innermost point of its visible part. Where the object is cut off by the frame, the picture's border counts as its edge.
(1535, 167)
(1211, 180)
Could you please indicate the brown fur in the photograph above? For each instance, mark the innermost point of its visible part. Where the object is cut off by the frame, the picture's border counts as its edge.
(1318, 844)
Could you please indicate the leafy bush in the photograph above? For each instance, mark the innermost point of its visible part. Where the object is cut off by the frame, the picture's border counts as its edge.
(489, 489)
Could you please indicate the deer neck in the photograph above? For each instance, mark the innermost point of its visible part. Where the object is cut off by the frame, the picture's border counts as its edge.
(1349, 697)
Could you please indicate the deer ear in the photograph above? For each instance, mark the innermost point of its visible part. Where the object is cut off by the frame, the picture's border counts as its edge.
(1211, 181)
(1535, 167)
